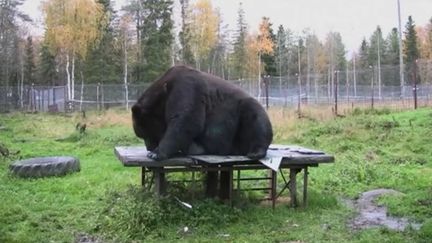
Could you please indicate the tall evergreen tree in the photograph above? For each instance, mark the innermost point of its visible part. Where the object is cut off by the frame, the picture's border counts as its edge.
(103, 61)
(335, 51)
(281, 51)
(376, 47)
(391, 56)
(363, 63)
(391, 59)
(185, 35)
(376, 51)
(411, 52)
(29, 63)
(364, 54)
(411, 49)
(239, 54)
(156, 38)
(47, 74)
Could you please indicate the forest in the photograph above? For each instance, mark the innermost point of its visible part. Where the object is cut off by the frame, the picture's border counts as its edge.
(87, 41)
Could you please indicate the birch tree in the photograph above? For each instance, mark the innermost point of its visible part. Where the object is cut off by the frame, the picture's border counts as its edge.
(124, 41)
(72, 26)
(204, 28)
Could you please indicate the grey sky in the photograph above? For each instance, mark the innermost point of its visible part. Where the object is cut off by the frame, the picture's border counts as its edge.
(354, 19)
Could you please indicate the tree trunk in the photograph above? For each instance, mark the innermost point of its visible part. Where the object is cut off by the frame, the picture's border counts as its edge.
(73, 76)
(125, 74)
(308, 72)
(82, 90)
(21, 86)
(68, 78)
(354, 76)
(259, 77)
(316, 87)
(328, 83)
(379, 69)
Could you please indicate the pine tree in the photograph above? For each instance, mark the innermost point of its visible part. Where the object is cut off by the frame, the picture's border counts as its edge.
(185, 35)
(156, 35)
(103, 64)
(239, 54)
(376, 46)
(47, 74)
(411, 52)
(391, 56)
(376, 51)
(29, 64)
(281, 51)
(363, 63)
(364, 54)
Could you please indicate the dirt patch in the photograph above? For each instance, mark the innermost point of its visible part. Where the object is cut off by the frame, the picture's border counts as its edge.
(371, 215)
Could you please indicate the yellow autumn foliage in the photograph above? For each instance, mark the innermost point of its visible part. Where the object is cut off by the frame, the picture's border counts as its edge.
(72, 26)
(204, 26)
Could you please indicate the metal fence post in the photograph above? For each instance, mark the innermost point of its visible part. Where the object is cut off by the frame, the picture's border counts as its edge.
(415, 83)
(372, 87)
(97, 96)
(266, 84)
(336, 92)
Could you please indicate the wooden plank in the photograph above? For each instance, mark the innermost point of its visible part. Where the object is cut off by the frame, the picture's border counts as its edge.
(293, 148)
(137, 156)
(299, 159)
(292, 155)
(220, 159)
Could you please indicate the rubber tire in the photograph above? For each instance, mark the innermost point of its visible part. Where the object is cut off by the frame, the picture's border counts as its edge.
(45, 166)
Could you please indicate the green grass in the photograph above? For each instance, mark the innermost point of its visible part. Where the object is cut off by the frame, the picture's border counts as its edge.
(373, 149)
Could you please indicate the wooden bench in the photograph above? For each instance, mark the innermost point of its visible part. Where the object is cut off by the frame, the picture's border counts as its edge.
(279, 157)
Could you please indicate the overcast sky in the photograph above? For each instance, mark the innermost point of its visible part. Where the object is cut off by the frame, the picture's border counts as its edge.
(354, 19)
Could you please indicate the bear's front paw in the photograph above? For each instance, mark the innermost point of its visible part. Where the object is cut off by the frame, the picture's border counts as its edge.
(156, 155)
(153, 155)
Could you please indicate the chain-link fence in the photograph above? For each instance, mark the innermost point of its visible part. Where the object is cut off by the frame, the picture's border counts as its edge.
(276, 91)
(368, 87)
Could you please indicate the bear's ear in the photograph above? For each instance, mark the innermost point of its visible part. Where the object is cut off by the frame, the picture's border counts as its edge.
(137, 111)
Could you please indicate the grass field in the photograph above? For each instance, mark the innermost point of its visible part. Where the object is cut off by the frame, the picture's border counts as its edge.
(373, 149)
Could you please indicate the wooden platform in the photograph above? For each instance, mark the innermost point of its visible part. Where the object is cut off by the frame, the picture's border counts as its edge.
(279, 157)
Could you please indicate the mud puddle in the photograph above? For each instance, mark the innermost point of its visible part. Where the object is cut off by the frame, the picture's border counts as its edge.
(372, 215)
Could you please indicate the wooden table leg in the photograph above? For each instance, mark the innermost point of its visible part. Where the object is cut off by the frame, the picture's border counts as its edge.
(160, 183)
(293, 187)
(273, 188)
(211, 183)
(226, 184)
(143, 171)
(231, 186)
(238, 183)
(193, 185)
(305, 185)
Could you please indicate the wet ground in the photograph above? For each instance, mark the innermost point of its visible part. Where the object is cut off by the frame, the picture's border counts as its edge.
(372, 215)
